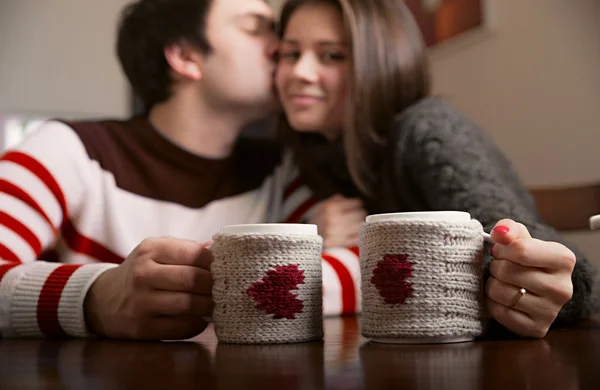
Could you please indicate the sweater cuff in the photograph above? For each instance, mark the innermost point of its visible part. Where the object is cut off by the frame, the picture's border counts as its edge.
(47, 299)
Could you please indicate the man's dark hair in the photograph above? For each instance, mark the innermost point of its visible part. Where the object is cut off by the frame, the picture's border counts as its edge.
(146, 28)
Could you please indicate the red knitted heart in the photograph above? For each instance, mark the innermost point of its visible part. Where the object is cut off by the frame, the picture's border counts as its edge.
(390, 277)
(272, 293)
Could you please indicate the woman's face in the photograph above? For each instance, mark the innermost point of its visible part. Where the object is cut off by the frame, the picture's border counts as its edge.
(313, 69)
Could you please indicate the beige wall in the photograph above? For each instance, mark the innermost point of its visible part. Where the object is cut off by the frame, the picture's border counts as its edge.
(534, 86)
(56, 57)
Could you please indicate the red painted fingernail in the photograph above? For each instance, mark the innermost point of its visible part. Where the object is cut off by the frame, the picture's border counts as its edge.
(501, 229)
(492, 250)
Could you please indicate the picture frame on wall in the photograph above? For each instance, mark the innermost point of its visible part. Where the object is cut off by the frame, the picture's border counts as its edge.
(448, 25)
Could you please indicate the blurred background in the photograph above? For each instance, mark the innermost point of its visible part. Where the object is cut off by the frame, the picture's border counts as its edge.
(528, 72)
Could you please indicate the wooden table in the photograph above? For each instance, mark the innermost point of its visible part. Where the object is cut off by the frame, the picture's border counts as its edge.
(565, 359)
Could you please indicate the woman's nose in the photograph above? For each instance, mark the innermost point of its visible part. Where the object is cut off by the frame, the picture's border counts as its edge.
(306, 68)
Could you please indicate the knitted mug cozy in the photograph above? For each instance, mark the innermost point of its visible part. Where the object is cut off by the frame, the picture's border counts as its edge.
(267, 287)
(421, 279)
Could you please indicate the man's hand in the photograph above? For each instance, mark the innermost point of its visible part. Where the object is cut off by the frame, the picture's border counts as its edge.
(161, 291)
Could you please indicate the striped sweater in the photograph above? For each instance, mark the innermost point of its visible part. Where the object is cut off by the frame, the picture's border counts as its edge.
(76, 198)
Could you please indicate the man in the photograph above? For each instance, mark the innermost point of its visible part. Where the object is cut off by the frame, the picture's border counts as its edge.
(90, 194)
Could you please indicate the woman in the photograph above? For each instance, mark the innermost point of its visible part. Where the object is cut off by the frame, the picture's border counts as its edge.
(354, 83)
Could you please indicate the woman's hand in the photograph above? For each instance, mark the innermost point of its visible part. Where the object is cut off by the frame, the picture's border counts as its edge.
(542, 268)
(338, 220)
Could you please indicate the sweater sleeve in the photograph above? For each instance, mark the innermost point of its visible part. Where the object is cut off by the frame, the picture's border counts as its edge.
(42, 182)
(454, 166)
(341, 267)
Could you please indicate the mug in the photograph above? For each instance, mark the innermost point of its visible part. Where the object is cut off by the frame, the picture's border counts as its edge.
(267, 283)
(421, 276)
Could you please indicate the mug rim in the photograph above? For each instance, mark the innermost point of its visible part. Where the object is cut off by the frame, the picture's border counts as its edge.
(271, 228)
(451, 216)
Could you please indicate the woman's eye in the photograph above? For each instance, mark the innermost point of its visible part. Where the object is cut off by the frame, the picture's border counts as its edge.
(288, 55)
(332, 57)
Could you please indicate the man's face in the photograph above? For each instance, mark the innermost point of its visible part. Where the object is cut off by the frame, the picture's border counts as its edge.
(238, 73)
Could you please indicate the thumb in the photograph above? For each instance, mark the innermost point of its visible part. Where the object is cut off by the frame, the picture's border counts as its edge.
(507, 230)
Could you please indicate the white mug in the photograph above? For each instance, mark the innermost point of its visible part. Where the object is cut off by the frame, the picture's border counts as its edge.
(458, 216)
(421, 277)
(267, 283)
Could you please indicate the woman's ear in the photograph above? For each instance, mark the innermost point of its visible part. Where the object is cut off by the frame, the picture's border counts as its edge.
(185, 61)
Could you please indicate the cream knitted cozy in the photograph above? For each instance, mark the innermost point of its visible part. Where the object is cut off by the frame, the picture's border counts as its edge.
(421, 278)
(267, 288)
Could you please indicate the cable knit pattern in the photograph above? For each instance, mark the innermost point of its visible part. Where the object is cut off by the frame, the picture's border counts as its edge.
(267, 288)
(443, 285)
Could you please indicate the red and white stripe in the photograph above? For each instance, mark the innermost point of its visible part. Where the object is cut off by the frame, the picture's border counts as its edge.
(71, 206)
(36, 297)
(47, 299)
(23, 172)
(37, 231)
(17, 246)
(298, 203)
(341, 267)
(332, 291)
(342, 292)
(7, 269)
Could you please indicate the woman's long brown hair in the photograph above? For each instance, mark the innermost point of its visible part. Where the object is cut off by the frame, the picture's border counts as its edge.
(390, 72)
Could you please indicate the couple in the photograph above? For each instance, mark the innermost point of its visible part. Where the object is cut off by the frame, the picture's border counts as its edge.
(119, 214)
